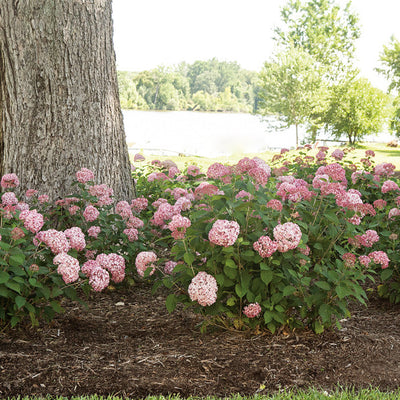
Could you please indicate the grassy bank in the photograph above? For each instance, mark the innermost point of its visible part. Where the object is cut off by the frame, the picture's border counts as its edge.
(382, 154)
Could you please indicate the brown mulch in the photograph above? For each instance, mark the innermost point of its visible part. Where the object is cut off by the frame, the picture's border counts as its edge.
(127, 344)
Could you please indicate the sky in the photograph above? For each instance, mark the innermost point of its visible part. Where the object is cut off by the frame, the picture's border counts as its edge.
(149, 33)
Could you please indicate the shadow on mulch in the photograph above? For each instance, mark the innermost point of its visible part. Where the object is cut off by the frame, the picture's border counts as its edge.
(127, 344)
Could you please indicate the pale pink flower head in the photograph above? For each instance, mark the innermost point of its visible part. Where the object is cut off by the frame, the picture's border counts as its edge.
(275, 204)
(134, 222)
(21, 206)
(123, 209)
(364, 260)
(379, 257)
(139, 204)
(193, 170)
(88, 267)
(203, 288)
(138, 157)
(394, 212)
(252, 310)
(260, 175)
(389, 186)
(44, 198)
(369, 153)
(76, 238)
(131, 233)
(116, 266)
(9, 199)
(172, 172)
(205, 188)
(94, 231)
(380, 204)
(288, 236)
(321, 155)
(265, 246)
(169, 267)
(30, 193)
(17, 233)
(144, 260)
(84, 175)
(245, 196)
(349, 259)
(9, 181)
(91, 213)
(245, 164)
(178, 226)
(73, 209)
(337, 154)
(218, 171)
(224, 233)
(57, 241)
(68, 267)
(99, 279)
(33, 221)
(384, 169)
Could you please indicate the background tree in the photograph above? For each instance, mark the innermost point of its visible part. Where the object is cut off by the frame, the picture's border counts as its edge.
(390, 60)
(356, 109)
(59, 105)
(324, 30)
(291, 88)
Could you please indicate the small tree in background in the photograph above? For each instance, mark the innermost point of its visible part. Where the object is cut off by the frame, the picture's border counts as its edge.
(356, 109)
(291, 88)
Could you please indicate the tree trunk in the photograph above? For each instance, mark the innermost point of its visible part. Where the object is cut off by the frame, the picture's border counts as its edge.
(59, 103)
(297, 136)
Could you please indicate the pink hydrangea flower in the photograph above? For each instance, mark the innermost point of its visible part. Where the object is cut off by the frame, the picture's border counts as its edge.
(123, 209)
(169, 267)
(9, 181)
(384, 169)
(30, 193)
(394, 212)
(275, 205)
(369, 153)
(349, 259)
(33, 221)
(94, 231)
(164, 212)
(224, 233)
(265, 246)
(193, 170)
(380, 204)
(252, 310)
(182, 204)
(139, 204)
(144, 260)
(205, 189)
(17, 233)
(57, 241)
(116, 266)
(9, 199)
(103, 193)
(178, 226)
(88, 267)
(203, 288)
(157, 176)
(84, 175)
(73, 210)
(91, 213)
(134, 222)
(68, 267)
(132, 234)
(260, 175)
(172, 172)
(288, 236)
(337, 154)
(245, 164)
(76, 238)
(99, 279)
(379, 257)
(364, 260)
(138, 157)
(246, 196)
(218, 171)
(388, 186)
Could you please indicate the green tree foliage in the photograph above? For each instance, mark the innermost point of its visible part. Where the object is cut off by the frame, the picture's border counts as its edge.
(204, 85)
(291, 88)
(324, 30)
(356, 109)
(390, 59)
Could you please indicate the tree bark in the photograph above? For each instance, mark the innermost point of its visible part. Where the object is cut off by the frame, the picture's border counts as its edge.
(59, 102)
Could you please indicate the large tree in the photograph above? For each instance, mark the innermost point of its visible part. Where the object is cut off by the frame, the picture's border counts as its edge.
(59, 105)
(390, 59)
(291, 88)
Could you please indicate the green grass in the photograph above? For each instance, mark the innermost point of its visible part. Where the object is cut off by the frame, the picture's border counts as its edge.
(311, 394)
(382, 154)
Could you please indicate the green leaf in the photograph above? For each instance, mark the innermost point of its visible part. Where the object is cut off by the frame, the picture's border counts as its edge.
(266, 276)
(323, 285)
(325, 311)
(55, 305)
(230, 263)
(4, 292)
(171, 302)
(240, 291)
(189, 258)
(5, 246)
(230, 273)
(318, 327)
(20, 301)
(231, 301)
(342, 292)
(386, 274)
(288, 290)
(17, 260)
(13, 286)
(4, 277)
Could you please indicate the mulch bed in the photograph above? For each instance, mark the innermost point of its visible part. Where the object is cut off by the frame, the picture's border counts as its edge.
(127, 344)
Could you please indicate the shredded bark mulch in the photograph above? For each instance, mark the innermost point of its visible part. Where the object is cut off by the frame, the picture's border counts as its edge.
(127, 344)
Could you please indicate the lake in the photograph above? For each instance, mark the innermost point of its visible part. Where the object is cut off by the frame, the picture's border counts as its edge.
(204, 134)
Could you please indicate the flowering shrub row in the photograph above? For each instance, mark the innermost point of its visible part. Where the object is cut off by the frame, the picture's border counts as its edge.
(248, 246)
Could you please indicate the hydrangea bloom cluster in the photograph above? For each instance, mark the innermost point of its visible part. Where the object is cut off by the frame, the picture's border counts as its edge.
(368, 238)
(139, 204)
(94, 231)
(193, 170)
(9, 199)
(144, 260)
(349, 259)
(84, 175)
(9, 181)
(76, 238)
(169, 267)
(265, 246)
(157, 176)
(246, 196)
(203, 288)
(57, 241)
(388, 186)
(17, 233)
(337, 154)
(132, 234)
(103, 193)
(393, 212)
(364, 260)
(384, 169)
(379, 257)
(380, 204)
(224, 233)
(138, 157)
(123, 209)
(178, 226)
(164, 212)
(91, 213)
(33, 221)
(218, 171)
(99, 278)
(252, 310)
(288, 236)
(260, 175)
(275, 205)
(205, 188)
(68, 267)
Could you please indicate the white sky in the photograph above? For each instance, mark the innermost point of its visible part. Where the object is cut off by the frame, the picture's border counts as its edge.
(149, 33)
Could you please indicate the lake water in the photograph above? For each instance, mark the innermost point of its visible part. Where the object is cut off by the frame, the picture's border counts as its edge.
(203, 134)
